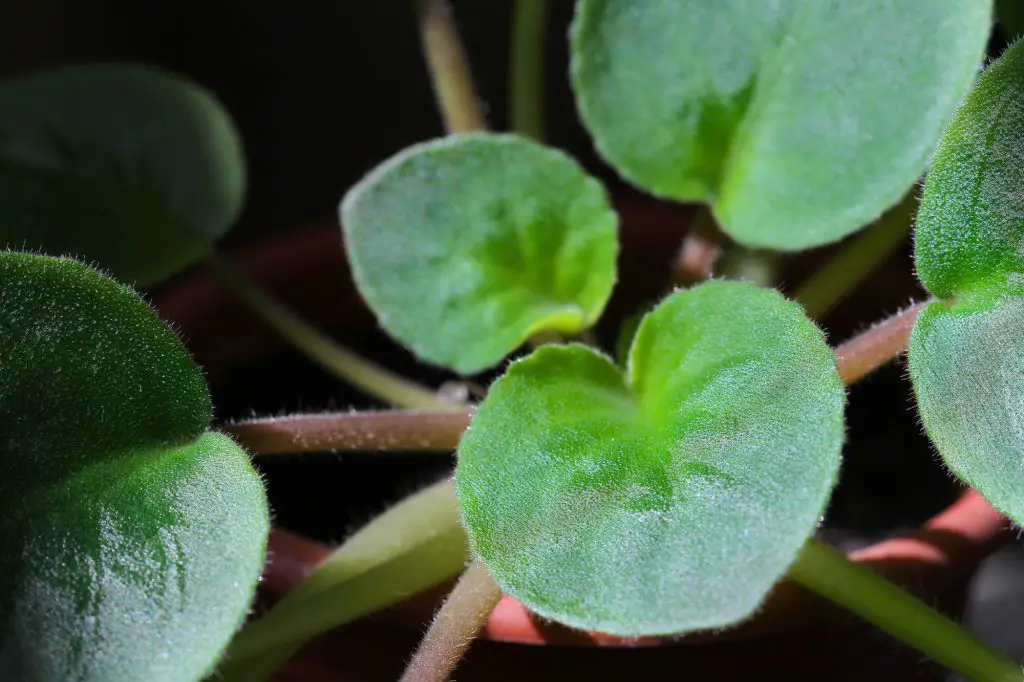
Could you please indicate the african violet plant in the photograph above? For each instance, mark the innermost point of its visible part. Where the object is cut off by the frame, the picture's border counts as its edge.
(659, 492)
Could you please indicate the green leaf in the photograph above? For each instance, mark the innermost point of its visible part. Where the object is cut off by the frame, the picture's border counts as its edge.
(799, 121)
(465, 247)
(133, 537)
(127, 166)
(669, 499)
(967, 366)
(965, 356)
(969, 226)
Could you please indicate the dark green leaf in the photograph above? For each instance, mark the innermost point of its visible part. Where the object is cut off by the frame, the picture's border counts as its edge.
(465, 247)
(127, 166)
(133, 538)
(969, 226)
(668, 499)
(799, 121)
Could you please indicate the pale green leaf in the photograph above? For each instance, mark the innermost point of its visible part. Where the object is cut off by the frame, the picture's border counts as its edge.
(467, 246)
(668, 499)
(798, 121)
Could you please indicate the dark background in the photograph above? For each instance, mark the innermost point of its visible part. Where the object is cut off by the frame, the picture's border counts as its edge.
(322, 90)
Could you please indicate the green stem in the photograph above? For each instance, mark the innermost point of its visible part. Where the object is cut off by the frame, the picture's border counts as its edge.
(831, 574)
(389, 431)
(415, 545)
(828, 287)
(526, 80)
(463, 615)
(448, 67)
(335, 358)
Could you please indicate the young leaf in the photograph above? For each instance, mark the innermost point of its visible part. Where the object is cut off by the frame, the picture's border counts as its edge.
(966, 357)
(128, 166)
(465, 247)
(133, 537)
(799, 121)
(969, 226)
(669, 499)
(967, 367)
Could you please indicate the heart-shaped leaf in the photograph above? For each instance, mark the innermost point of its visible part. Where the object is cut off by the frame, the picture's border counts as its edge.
(966, 354)
(667, 499)
(799, 121)
(133, 538)
(127, 166)
(465, 247)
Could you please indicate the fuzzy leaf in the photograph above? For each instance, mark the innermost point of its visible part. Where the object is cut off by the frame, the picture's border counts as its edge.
(133, 538)
(798, 121)
(669, 499)
(967, 366)
(969, 227)
(465, 247)
(123, 165)
(966, 354)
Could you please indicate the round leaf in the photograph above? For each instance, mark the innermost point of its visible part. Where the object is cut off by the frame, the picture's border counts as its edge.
(799, 121)
(127, 166)
(669, 499)
(967, 366)
(465, 247)
(133, 538)
(969, 226)
(965, 356)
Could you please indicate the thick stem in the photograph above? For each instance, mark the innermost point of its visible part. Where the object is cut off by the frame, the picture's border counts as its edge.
(415, 545)
(448, 67)
(526, 78)
(831, 574)
(460, 619)
(387, 431)
(828, 287)
(869, 350)
(335, 358)
(440, 430)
